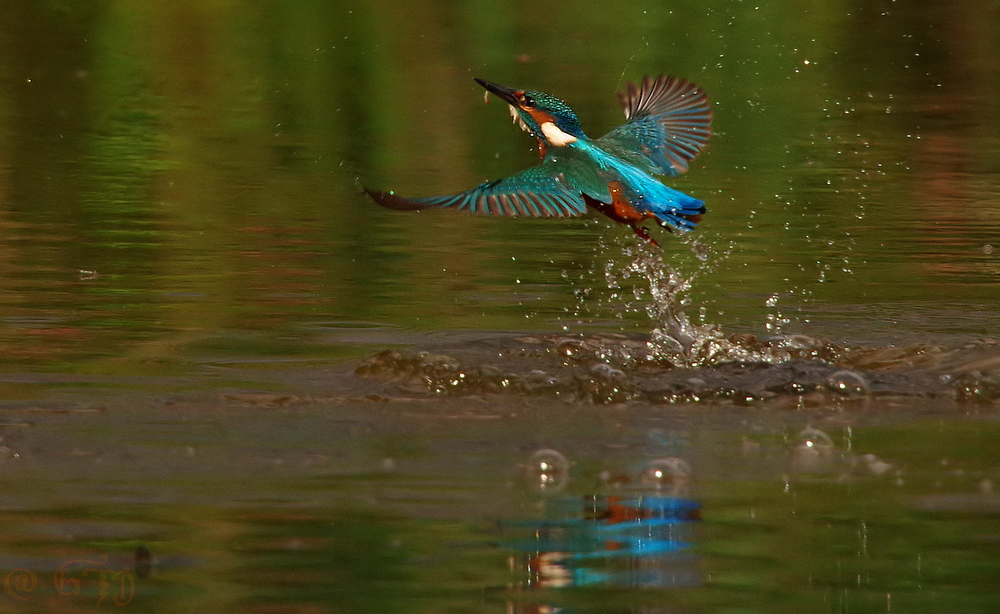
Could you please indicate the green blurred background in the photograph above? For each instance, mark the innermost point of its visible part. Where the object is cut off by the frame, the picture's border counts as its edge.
(184, 177)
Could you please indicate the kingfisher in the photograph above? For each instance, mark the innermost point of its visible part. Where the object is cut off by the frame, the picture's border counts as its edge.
(667, 124)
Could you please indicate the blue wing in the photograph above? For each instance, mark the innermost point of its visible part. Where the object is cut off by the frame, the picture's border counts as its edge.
(538, 191)
(668, 123)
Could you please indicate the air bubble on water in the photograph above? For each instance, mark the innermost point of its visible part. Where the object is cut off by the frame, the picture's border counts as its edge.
(976, 388)
(848, 384)
(813, 438)
(812, 450)
(547, 470)
(606, 372)
(670, 474)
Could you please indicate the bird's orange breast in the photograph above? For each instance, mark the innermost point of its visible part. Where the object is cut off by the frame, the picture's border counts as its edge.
(620, 209)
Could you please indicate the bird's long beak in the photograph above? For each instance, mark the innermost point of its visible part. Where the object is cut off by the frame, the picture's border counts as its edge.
(504, 93)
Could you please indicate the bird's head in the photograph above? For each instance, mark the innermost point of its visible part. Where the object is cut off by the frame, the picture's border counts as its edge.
(541, 115)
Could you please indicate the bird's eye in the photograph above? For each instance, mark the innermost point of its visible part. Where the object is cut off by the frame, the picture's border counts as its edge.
(527, 101)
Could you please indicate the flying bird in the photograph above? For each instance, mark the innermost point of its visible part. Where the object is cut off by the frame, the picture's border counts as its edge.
(667, 124)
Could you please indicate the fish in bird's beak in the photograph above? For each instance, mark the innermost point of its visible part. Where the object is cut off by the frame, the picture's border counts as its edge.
(508, 95)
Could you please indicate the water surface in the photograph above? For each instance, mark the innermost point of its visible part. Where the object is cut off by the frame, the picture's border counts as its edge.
(229, 382)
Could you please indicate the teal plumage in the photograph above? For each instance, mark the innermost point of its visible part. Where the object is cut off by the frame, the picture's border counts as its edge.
(668, 123)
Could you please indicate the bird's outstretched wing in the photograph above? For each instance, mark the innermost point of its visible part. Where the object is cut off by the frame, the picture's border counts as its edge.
(668, 123)
(538, 191)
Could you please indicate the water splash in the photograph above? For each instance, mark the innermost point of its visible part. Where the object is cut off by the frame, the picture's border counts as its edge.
(660, 291)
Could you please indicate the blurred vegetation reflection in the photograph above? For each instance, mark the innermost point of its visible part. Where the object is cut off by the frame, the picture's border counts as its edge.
(183, 177)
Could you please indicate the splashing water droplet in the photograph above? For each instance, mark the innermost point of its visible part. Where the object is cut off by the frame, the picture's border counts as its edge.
(775, 319)
(634, 269)
(659, 290)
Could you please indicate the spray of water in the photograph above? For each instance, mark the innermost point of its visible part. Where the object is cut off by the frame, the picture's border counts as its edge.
(631, 277)
(660, 290)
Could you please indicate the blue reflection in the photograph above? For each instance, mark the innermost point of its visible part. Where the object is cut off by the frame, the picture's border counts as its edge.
(636, 540)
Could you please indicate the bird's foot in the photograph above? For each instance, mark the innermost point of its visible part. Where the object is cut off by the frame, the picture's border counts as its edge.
(643, 233)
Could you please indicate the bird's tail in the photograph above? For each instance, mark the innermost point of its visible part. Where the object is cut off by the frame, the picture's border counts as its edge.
(390, 201)
(684, 216)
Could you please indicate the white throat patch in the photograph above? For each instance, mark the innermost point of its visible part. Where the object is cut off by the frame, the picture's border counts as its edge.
(556, 136)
